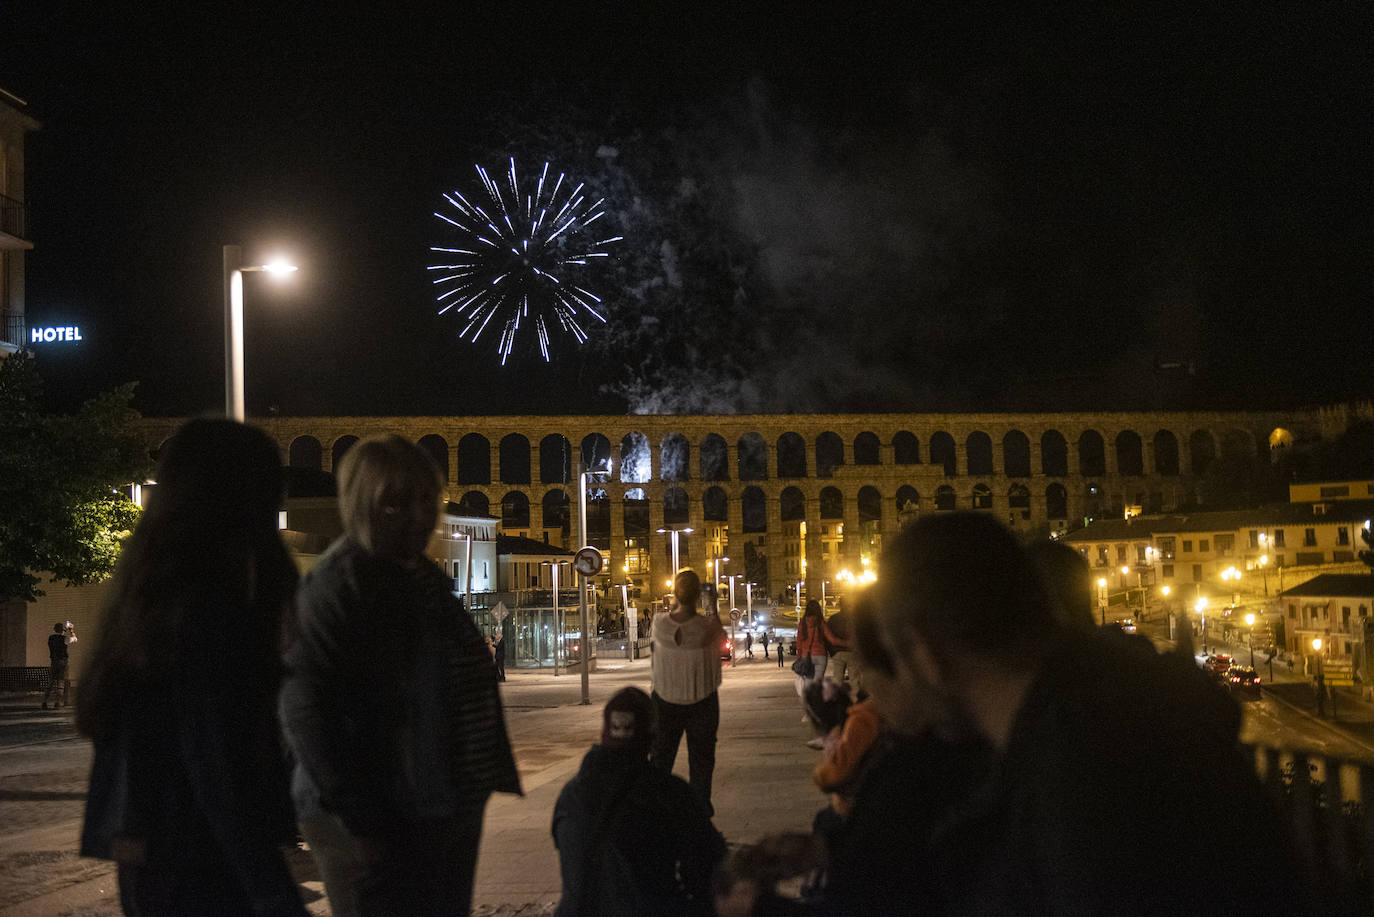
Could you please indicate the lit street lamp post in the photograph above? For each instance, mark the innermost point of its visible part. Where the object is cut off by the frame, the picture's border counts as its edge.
(1321, 678)
(1250, 623)
(1102, 599)
(234, 269)
(673, 534)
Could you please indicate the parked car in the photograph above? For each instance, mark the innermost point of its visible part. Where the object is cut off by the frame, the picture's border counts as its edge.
(1218, 664)
(1243, 679)
(1127, 625)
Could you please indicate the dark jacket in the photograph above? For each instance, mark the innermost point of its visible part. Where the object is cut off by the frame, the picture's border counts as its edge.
(191, 782)
(631, 830)
(390, 703)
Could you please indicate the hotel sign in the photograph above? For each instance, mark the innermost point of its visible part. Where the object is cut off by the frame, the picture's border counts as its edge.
(55, 333)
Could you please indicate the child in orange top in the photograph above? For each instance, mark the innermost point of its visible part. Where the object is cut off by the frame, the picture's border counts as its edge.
(843, 754)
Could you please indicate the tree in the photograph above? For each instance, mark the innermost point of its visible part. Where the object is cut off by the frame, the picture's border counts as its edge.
(63, 515)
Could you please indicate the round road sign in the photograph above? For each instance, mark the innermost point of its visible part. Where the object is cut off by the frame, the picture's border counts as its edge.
(734, 614)
(587, 561)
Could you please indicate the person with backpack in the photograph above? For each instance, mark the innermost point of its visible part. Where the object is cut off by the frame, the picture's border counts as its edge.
(632, 838)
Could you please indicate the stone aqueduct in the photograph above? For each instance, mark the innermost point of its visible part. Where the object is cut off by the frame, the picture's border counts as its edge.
(753, 478)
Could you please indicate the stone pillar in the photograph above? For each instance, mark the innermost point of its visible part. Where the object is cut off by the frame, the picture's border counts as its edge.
(694, 553)
(1147, 457)
(494, 458)
(616, 559)
(734, 514)
(453, 489)
(731, 461)
(815, 560)
(1037, 461)
(537, 516)
(777, 560)
(887, 456)
(851, 548)
(659, 560)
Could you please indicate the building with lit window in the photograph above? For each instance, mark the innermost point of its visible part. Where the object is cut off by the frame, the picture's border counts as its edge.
(15, 241)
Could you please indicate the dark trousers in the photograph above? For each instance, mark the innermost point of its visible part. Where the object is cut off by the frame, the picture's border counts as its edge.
(425, 869)
(58, 685)
(700, 722)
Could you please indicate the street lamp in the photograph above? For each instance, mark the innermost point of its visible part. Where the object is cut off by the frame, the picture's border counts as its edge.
(1250, 623)
(673, 532)
(1102, 598)
(234, 269)
(1321, 678)
(583, 476)
(1201, 607)
(467, 569)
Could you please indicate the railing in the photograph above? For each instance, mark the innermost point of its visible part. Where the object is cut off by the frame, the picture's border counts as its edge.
(1328, 803)
(13, 217)
(15, 330)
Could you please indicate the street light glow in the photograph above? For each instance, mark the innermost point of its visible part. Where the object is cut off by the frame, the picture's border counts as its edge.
(279, 266)
(1317, 644)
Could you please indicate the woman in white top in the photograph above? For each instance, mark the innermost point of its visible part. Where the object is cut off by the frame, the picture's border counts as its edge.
(686, 673)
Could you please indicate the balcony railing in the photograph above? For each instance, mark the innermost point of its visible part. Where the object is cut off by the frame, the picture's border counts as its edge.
(1327, 803)
(14, 330)
(13, 217)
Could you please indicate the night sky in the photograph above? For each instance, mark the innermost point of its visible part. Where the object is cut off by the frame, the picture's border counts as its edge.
(826, 207)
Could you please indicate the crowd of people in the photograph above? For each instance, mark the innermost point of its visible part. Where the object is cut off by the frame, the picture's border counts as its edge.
(983, 748)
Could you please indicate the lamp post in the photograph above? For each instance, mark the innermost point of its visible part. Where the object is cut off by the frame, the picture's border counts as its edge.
(1321, 677)
(1250, 623)
(1232, 576)
(673, 534)
(234, 269)
(1102, 599)
(1201, 607)
(583, 476)
(467, 569)
(797, 592)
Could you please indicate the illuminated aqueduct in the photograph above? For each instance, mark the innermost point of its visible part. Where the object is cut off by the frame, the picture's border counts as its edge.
(819, 488)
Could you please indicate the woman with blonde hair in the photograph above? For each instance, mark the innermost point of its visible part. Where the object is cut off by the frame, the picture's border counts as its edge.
(390, 703)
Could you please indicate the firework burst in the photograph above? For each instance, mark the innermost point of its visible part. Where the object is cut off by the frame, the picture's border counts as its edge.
(520, 247)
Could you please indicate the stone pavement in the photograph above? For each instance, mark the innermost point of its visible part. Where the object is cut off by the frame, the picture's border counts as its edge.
(762, 785)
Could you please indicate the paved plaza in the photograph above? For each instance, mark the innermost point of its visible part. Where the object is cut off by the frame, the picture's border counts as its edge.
(762, 785)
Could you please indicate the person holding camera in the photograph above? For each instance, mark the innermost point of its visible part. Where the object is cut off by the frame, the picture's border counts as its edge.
(686, 676)
(59, 685)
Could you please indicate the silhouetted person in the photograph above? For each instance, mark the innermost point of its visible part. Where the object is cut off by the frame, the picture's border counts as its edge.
(390, 702)
(59, 685)
(763, 638)
(632, 839)
(189, 791)
(749, 644)
(1067, 578)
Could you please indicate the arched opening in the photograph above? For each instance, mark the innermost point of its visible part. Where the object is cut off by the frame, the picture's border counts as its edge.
(791, 456)
(982, 496)
(596, 453)
(475, 503)
(1238, 447)
(870, 503)
(675, 507)
(831, 503)
(635, 513)
(793, 505)
(1166, 453)
(945, 498)
(1129, 455)
(754, 510)
(340, 449)
(305, 452)
(555, 459)
(829, 454)
(1016, 457)
(675, 458)
(436, 447)
(1056, 501)
(474, 459)
(978, 451)
(514, 453)
(942, 453)
(753, 458)
(1019, 500)
(906, 448)
(557, 512)
(1054, 454)
(1092, 454)
(636, 465)
(715, 505)
(1202, 451)
(515, 511)
(714, 458)
(867, 449)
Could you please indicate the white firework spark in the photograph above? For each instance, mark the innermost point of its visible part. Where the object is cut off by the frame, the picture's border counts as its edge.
(519, 246)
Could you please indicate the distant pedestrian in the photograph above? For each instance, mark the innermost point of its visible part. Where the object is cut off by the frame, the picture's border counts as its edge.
(763, 638)
(390, 702)
(686, 676)
(59, 685)
(499, 649)
(189, 792)
(782, 652)
(631, 838)
(749, 644)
